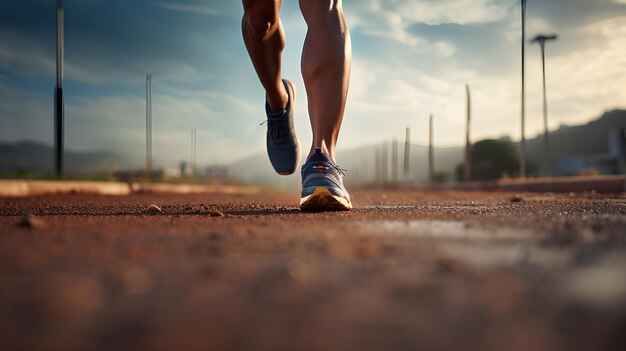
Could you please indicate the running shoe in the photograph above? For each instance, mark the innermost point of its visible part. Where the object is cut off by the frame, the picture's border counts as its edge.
(283, 148)
(322, 185)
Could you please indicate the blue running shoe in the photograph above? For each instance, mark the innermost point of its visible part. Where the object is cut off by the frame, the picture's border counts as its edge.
(282, 144)
(322, 185)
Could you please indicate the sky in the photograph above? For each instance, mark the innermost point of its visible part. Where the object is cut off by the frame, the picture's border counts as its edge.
(411, 58)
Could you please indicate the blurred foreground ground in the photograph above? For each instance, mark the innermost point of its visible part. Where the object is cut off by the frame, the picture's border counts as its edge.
(403, 271)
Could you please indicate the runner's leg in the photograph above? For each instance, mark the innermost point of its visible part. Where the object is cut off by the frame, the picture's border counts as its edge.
(264, 37)
(326, 61)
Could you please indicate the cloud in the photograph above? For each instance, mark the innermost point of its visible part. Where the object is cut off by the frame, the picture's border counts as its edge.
(23, 113)
(118, 123)
(391, 19)
(196, 9)
(109, 41)
(585, 81)
(448, 43)
(411, 58)
(431, 11)
(25, 61)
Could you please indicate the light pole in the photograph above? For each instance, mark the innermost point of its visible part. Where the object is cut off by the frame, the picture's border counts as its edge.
(385, 162)
(431, 151)
(522, 160)
(377, 165)
(394, 160)
(467, 174)
(407, 150)
(149, 125)
(192, 156)
(59, 110)
(541, 39)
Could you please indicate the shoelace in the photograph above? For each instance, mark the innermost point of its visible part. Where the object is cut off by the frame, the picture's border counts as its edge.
(336, 168)
(340, 170)
(274, 127)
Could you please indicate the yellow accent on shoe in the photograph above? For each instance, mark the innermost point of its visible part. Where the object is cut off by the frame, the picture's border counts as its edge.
(322, 200)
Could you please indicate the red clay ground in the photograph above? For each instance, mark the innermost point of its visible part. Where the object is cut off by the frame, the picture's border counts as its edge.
(403, 271)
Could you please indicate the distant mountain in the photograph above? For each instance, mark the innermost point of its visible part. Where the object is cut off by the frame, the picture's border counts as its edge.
(38, 157)
(591, 138)
(359, 162)
(258, 170)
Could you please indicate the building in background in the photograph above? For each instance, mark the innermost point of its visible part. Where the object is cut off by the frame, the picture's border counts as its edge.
(613, 162)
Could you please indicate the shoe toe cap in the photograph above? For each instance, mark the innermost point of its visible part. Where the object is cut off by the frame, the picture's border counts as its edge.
(284, 159)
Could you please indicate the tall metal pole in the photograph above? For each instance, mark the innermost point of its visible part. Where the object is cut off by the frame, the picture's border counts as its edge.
(431, 152)
(546, 145)
(59, 108)
(468, 148)
(191, 154)
(377, 166)
(385, 161)
(148, 124)
(394, 160)
(522, 160)
(541, 39)
(407, 150)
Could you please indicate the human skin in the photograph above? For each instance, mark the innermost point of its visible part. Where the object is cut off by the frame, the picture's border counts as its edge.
(326, 61)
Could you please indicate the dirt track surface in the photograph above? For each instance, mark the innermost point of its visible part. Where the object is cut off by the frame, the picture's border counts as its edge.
(403, 271)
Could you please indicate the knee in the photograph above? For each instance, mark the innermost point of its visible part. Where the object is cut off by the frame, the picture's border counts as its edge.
(260, 16)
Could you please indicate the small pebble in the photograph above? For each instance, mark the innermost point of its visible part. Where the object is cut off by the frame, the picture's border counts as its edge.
(215, 237)
(216, 214)
(516, 199)
(30, 221)
(446, 265)
(367, 250)
(154, 209)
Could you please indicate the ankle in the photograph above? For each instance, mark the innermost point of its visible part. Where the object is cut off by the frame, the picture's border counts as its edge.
(278, 98)
(328, 151)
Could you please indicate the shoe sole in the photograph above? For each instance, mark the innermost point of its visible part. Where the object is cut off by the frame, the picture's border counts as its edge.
(323, 200)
